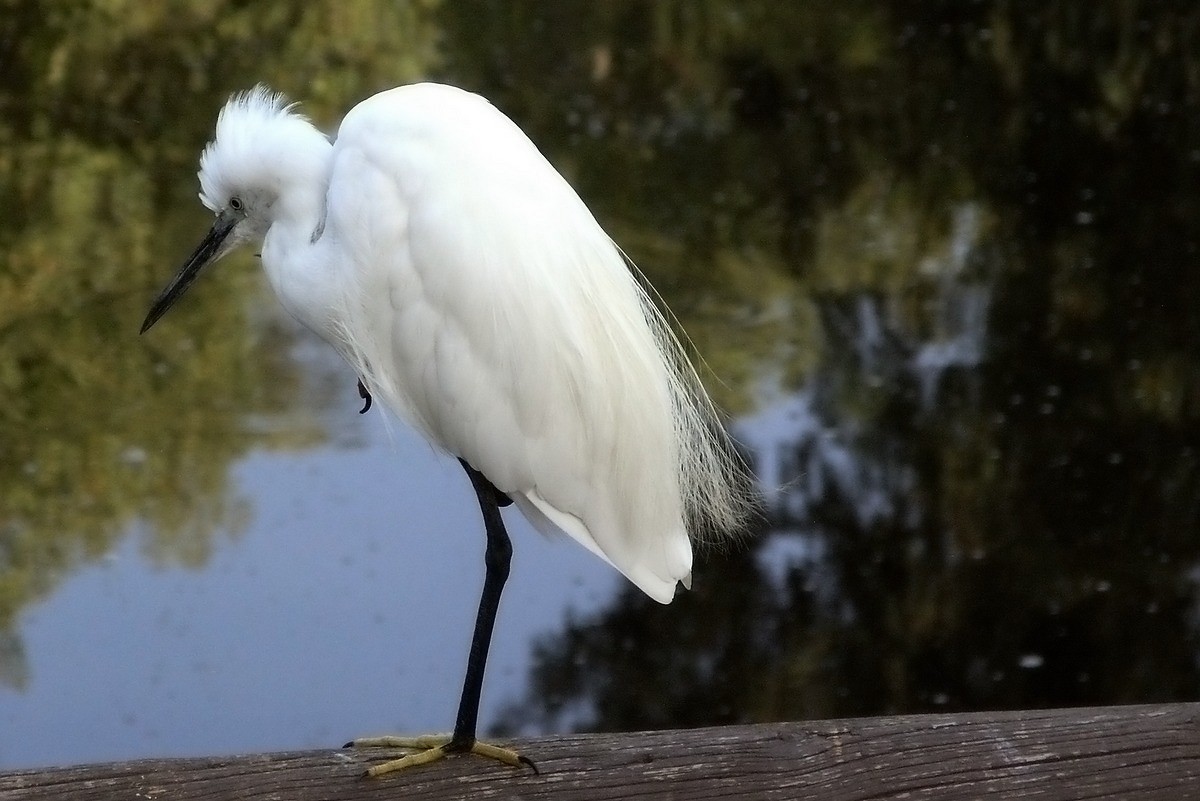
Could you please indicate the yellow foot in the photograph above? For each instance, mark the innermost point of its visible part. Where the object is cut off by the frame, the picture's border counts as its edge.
(430, 748)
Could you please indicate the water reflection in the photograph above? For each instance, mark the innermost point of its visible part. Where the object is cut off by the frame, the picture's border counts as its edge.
(940, 259)
(988, 462)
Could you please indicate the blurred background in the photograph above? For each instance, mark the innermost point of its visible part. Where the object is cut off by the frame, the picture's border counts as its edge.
(940, 259)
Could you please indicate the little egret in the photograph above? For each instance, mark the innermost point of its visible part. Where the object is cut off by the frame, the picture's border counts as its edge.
(436, 249)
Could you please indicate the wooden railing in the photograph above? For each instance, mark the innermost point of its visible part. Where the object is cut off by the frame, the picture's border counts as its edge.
(1142, 753)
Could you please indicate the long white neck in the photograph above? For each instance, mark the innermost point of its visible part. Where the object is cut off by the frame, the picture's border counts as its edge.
(292, 248)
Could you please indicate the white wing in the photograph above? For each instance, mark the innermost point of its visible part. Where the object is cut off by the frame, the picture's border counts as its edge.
(494, 315)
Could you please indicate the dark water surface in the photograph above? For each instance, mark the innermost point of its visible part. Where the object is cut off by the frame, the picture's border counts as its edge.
(940, 259)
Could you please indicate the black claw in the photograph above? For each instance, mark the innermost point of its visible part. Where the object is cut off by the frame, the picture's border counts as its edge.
(524, 760)
(366, 396)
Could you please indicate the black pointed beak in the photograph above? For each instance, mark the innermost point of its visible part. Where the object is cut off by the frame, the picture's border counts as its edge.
(208, 251)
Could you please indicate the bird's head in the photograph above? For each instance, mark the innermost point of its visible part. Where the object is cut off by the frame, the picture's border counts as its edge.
(261, 145)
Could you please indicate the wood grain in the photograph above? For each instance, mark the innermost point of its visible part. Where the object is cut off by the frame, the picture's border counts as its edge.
(1134, 752)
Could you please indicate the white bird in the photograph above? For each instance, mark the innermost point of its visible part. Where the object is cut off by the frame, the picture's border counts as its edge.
(452, 266)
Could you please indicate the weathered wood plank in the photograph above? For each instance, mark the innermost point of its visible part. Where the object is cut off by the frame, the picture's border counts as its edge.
(1135, 752)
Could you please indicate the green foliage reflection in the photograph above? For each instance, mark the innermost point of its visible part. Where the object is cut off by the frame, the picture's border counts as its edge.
(104, 110)
(967, 232)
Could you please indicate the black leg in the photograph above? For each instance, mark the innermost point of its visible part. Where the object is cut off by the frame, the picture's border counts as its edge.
(496, 558)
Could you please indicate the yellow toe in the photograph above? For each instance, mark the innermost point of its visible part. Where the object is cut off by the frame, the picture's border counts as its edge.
(431, 748)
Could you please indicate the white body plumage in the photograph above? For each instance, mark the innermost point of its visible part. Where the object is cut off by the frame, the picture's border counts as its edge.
(459, 273)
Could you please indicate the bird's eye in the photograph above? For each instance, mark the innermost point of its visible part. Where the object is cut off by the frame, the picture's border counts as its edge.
(236, 204)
